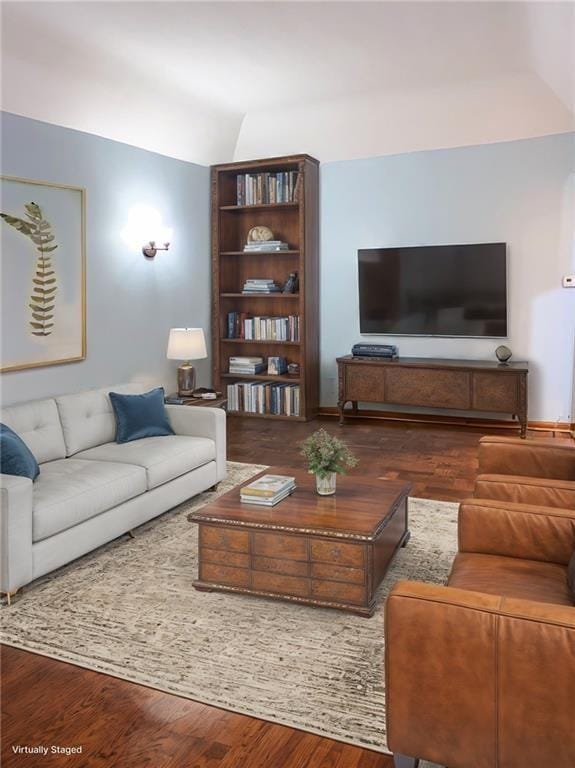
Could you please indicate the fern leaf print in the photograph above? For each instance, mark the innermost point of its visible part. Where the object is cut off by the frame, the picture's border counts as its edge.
(44, 282)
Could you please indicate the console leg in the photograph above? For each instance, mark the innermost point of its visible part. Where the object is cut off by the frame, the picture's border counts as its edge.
(523, 430)
(354, 407)
(340, 406)
(403, 761)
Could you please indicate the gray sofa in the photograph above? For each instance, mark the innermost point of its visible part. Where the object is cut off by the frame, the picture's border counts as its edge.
(91, 489)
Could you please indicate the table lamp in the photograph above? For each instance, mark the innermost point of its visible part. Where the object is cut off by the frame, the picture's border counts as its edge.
(186, 344)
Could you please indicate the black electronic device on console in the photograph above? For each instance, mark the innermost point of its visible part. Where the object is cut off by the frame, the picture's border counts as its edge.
(374, 350)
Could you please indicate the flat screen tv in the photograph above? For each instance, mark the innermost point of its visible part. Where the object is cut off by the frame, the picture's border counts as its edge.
(436, 290)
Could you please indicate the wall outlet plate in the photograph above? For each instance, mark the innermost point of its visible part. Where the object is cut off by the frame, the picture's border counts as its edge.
(568, 281)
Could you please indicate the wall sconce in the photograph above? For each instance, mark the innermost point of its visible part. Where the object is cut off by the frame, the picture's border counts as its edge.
(144, 229)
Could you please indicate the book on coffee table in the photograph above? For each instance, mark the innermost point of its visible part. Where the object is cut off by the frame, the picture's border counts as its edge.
(267, 490)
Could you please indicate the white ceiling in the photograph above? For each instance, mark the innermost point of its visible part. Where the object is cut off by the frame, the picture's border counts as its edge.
(197, 68)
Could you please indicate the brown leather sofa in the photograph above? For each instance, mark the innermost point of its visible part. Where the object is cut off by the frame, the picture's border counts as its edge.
(481, 673)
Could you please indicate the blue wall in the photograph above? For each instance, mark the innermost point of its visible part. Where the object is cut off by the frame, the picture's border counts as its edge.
(521, 192)
(131, 302)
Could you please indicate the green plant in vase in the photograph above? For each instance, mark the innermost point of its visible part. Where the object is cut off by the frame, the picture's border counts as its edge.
(327, 458)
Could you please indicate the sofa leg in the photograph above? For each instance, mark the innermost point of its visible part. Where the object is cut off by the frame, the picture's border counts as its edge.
(131, 534)
(213, 488)
(9, 596)
(403, 761)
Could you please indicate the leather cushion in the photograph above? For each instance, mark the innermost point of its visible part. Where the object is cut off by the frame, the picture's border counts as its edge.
(163, 458)
(530, 458)
(15, 456)
(511, 577)
(571, 575)
(70, 491)
(139, 416)
(88, 418)
(526, 490)
(37, 423)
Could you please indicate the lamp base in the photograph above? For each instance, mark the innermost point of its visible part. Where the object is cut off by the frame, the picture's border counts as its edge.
(186, 380)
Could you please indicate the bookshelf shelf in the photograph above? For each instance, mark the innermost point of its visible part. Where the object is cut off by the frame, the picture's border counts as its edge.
(295, 223)
(273, 296)
(287, 252)
(260, 207)
(266, 416)
(260, 341)
(261, 377)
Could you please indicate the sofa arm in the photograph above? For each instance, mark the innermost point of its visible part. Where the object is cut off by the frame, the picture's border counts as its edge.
(526, 531)
(543, 491)
(529, 458)
(202, 422)
(475, 680)
(15, 532)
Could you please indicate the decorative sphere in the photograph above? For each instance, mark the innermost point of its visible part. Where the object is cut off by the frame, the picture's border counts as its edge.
(503, 353)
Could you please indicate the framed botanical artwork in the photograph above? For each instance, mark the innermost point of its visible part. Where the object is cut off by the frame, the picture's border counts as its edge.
(43, 274)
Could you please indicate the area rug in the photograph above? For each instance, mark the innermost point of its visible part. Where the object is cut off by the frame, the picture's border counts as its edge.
(129, 610)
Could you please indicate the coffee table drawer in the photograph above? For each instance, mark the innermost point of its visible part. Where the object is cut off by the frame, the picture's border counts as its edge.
(338, 591)
(279, 545)
(223, 557)
(223, 574)
(339, 553)
(230, 539)
(277, 565)
(282, 585)
(338, 573)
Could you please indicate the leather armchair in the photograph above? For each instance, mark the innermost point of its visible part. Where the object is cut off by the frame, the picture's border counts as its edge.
(481, 673)
(527, 471)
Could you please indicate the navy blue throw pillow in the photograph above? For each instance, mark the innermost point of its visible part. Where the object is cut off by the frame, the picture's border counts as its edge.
(15, 456)
(139, 416)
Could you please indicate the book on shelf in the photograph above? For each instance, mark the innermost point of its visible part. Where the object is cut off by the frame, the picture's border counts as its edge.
(266, 246)
(258, 286)
(277, 366)
(264, 398)
(266, 188)
(240, 325)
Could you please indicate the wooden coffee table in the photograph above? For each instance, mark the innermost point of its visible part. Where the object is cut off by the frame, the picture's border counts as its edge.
(328, 551)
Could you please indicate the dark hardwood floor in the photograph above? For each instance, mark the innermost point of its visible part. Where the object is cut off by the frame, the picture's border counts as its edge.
(47, 702)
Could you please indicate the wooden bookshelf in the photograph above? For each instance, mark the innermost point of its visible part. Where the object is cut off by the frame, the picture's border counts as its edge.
(296, 223)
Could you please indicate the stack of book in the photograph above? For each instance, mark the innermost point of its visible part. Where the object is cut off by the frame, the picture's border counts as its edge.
(267, 188)
(267, 490)
(264, 398)
(241, 326)
(265, 246)
(247, 365)
(259, 286)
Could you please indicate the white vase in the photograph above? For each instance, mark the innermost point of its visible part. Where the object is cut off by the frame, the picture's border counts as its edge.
(326, 485)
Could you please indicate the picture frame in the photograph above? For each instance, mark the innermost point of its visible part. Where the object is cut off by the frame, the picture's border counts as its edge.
(43, 267)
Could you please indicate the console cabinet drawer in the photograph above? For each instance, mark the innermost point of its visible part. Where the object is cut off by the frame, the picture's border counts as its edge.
(230, 539)
(496, 392)
(339, 553)
(222, 574)
(274, 545)
(364, 382)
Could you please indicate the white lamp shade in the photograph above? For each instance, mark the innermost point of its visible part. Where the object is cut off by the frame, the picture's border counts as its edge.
(186, 344)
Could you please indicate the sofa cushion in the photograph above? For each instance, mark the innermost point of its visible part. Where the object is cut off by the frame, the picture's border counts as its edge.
(139, 416)
(15, 456)
(511, 577)
(571, 575)
(88, 418)
(70, 491)
(163, 458)
(38, 424)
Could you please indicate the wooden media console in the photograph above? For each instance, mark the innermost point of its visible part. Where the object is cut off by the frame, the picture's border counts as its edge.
(463, 385)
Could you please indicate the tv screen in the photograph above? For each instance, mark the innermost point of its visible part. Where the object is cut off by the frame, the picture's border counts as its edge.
(437, 290)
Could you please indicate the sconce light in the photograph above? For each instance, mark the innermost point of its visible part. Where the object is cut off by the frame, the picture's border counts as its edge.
(144, 229)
